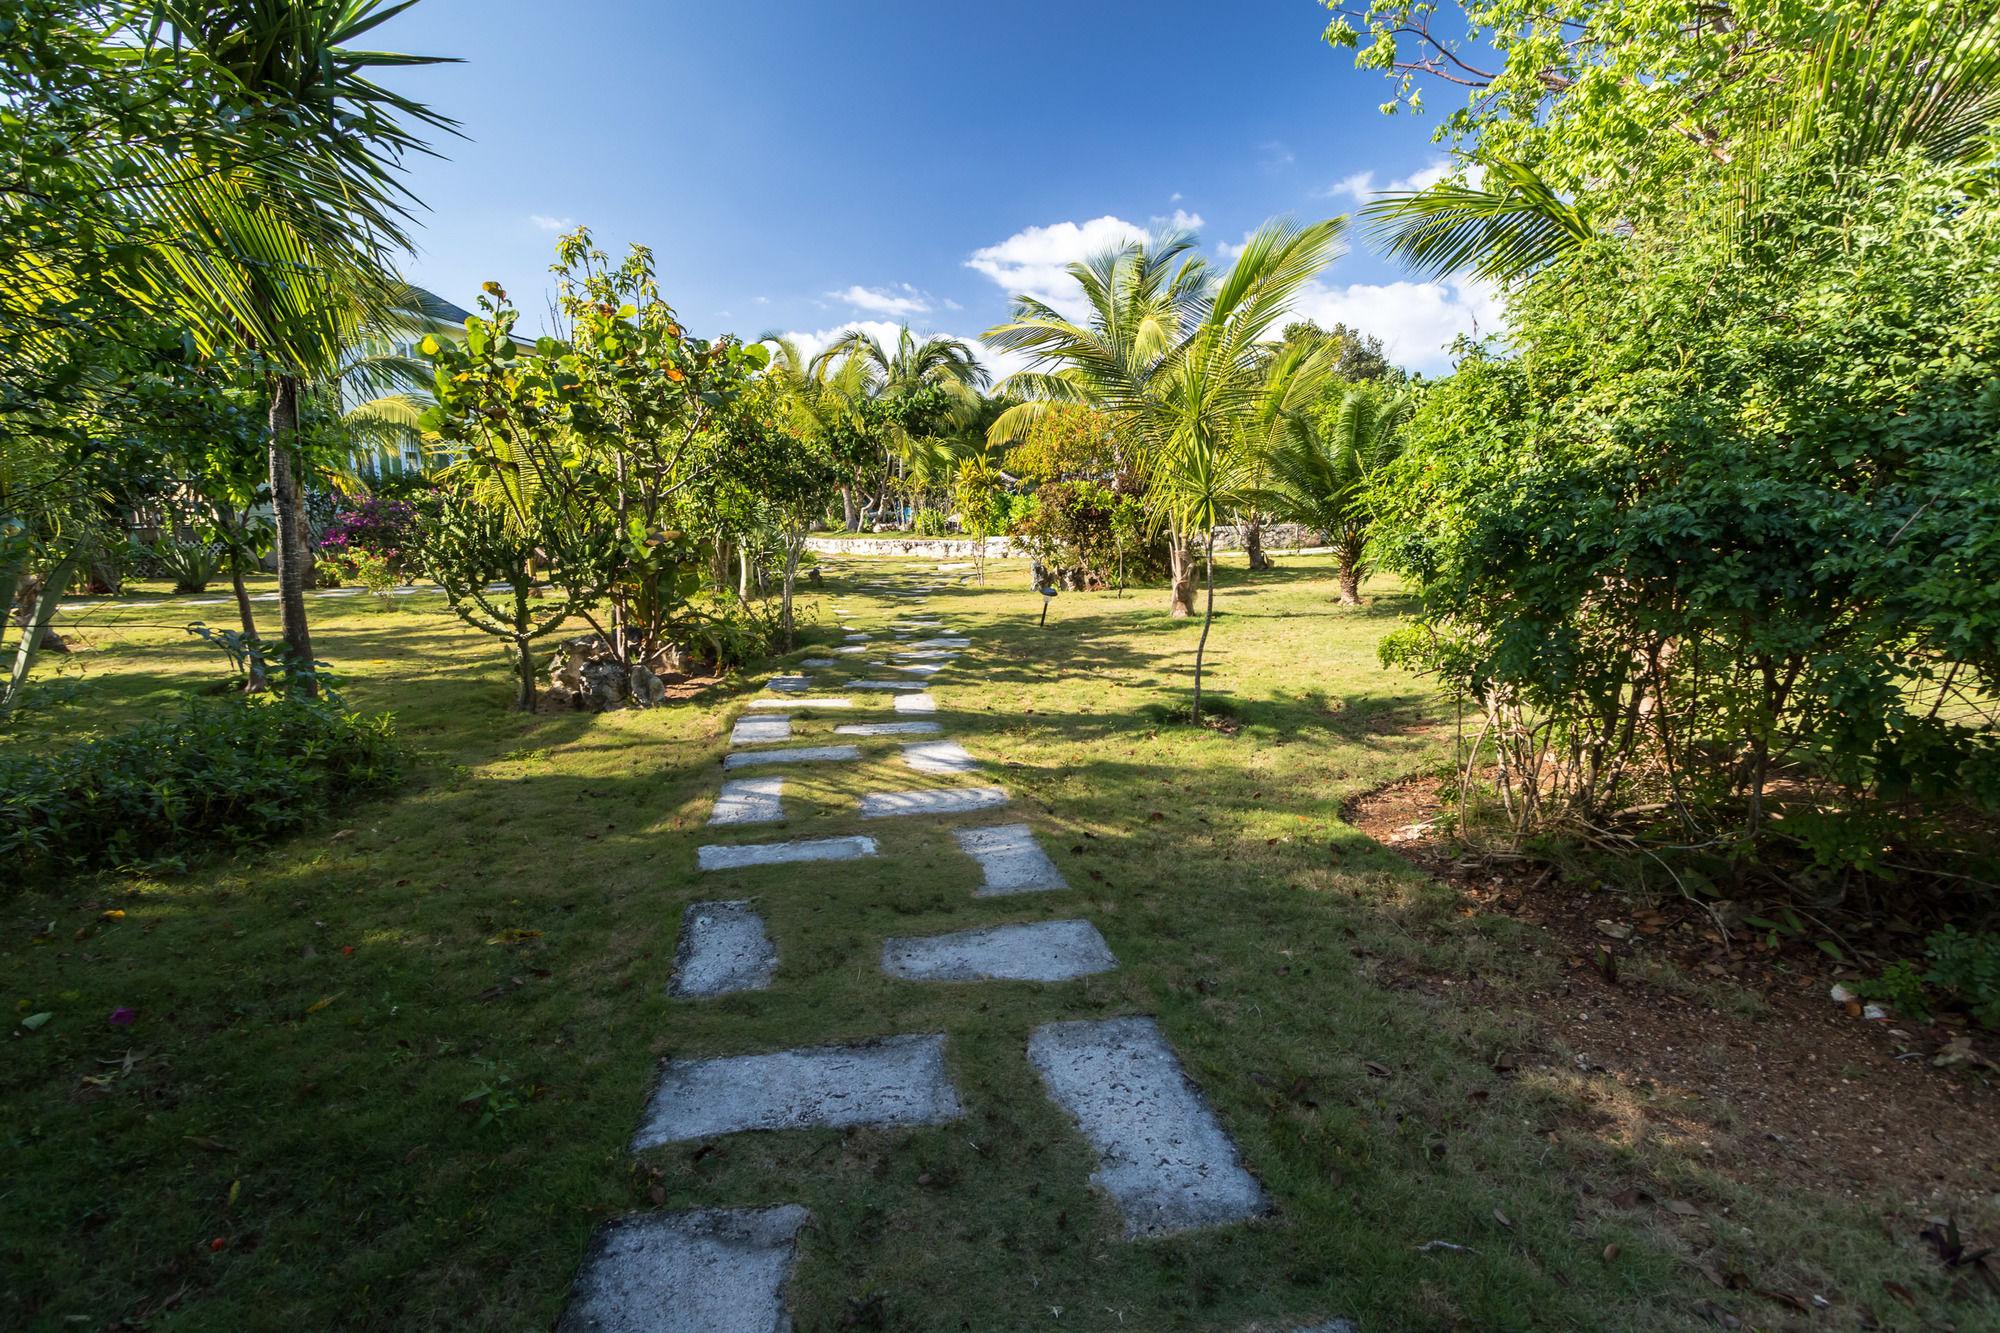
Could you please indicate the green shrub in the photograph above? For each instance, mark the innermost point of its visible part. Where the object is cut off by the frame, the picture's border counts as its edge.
(191, 565)
(930, 523)
(226, 773)
(1969, 967)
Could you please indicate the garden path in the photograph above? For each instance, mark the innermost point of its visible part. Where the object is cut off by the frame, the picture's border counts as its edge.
(1162, 1155)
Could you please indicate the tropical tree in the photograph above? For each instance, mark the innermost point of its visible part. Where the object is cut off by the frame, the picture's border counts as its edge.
(1322, 462)
(907, 400)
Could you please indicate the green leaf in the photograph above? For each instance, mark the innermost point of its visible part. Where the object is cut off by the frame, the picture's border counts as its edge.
(33, 1021)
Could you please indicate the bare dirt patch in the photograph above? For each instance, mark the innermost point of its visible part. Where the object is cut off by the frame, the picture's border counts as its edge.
(1740, 1037)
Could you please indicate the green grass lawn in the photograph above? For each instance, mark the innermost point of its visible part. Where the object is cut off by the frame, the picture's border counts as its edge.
(383, 1075)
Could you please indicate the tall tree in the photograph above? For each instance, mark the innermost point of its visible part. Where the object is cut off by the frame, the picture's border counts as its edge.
(1321, 462)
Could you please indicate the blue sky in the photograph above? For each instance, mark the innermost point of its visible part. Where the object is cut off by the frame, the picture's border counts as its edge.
(800, 166)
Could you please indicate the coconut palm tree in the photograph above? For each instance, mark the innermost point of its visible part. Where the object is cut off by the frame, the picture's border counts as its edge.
(1176, 357)
(897, 385)
(1320, 467)
(282, 255)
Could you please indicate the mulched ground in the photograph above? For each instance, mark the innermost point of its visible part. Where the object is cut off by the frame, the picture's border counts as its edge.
(1791, 1087)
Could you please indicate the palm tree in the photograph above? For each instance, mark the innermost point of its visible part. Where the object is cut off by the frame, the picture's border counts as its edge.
(1177, 358)
(1320, 471)
(892, 379)
(823, 401)
(1143, 299)
(282, 255)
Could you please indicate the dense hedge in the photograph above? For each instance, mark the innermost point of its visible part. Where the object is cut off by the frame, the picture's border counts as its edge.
(222, 774)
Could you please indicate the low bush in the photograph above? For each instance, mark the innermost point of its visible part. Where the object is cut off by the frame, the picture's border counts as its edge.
(225, 773)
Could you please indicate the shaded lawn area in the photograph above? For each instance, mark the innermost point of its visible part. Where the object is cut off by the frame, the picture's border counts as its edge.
(384, 1074)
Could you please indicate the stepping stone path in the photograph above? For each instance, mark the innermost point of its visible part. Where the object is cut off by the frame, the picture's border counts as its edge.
(804, 754)
(942, 801)
(888, 728)
(939, 757)
(783, 853)
(724, 948)
(1163, 1156)
(760, 730)
(749, 801)
(1039, 951)
(1011, 860)
(892, 1081)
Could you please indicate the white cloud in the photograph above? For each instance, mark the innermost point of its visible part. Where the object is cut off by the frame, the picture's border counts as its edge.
(1360, 186)
(1226, 251)
(544, 222)
(1275, 155)
(1416, 321)
(761, 300)
(1035, 261)
(902, 299)
(1180, 220)
(811, 342)
(1175, 197)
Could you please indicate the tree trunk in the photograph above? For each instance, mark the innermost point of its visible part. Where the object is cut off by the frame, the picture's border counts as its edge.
(1180, 558)
(1350, 574)
(524, 664)
(1207, 617)
(308, 567)
(1253, 542)
(795, 542)
(284, 424)
(244, 614)
(742, 573)
(850, 509)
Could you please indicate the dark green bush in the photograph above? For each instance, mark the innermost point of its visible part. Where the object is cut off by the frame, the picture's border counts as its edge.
(225, 773)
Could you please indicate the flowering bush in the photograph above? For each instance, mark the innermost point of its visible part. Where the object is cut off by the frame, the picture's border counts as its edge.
(381, 530)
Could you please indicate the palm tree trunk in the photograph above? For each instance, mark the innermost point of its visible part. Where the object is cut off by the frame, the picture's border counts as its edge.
(1253, 541)
(244, 614)
(1349, 556)
(284, 429)
(1207, 617)
(1180, 557)
(795, 542)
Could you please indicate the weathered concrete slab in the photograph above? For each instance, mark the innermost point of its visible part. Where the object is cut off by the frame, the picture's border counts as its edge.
(944, 641)
(1162, 1155)
(783, 853)
(749, 801)
(796, 704)
(760, 730)
(891, 1081)
(887, 728)
(916, 703)
(928, 655)
(939, 757)
(858, 637)
(920, 668)
(885, 685)
(1034, 951)
(1011, 860)
(852, 649)
(724, 948)
(940, 801)
(801, 754)
(714, 1270)
(819, 662)
(789, 684)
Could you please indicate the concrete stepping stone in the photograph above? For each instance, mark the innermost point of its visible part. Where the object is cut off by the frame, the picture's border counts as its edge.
(796, 704)
(714, 857)
(749, 801)
(712, 1270)
(1162, 1155)
(939, 757)
(760, 730)
(890, 1081)
(929, 655)
(915, 703)
(1034, 951)
(887, 728)
(819, 662)
(920, 668)
(724, 948)
(852, 649)
(859, 638)
(940, 801)
(803, 754)
(1011, 860)
(789, 684)
(944, 641)
(886, 684)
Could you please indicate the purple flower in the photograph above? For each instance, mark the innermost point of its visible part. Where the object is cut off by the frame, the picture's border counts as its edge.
(121, 1017)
